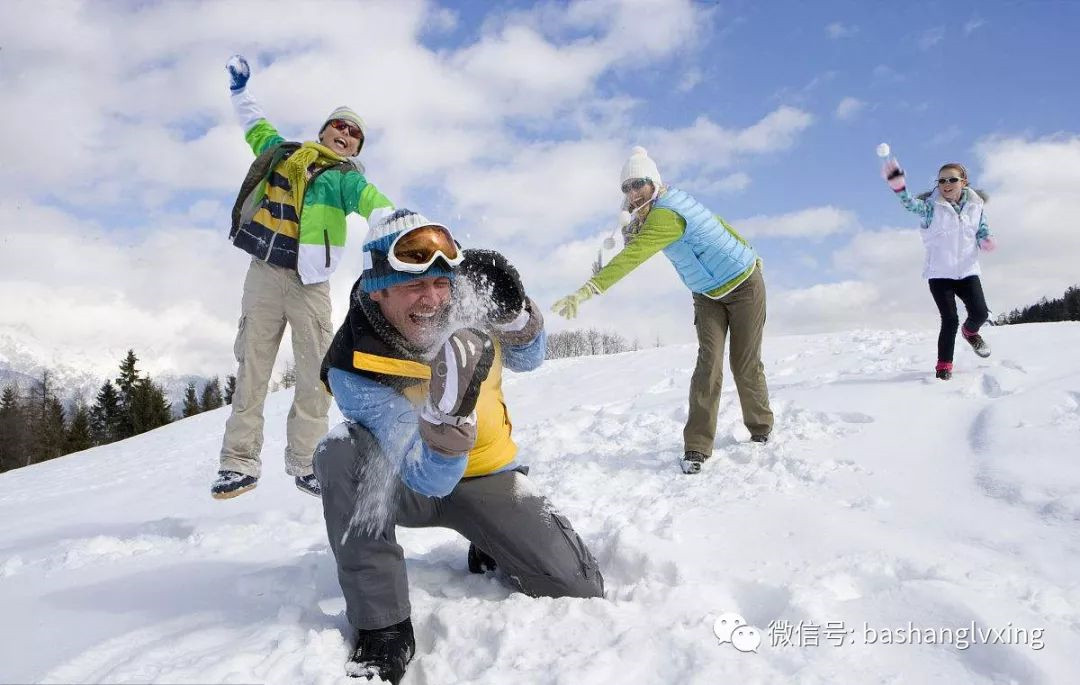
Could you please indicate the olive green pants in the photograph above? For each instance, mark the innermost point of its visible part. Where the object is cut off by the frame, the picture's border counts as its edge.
(742, 313)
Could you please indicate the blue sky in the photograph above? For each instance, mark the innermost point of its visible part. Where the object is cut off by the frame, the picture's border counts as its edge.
(511, 124)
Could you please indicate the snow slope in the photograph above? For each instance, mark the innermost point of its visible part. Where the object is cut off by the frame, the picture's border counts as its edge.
(885, 497)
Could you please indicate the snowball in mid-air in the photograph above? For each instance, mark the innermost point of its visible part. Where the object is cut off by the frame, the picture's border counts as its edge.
(883, 150)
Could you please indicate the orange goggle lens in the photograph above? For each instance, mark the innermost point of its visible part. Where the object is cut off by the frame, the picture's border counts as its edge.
(421, 246)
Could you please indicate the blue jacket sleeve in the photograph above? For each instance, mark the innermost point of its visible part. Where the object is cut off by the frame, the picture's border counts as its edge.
(525, 357)
(924, 209)
(393, 421)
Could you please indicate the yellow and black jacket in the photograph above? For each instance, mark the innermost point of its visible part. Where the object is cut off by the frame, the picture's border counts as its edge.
(386, 382)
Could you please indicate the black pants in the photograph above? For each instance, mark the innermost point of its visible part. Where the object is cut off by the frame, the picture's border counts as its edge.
(945, 292)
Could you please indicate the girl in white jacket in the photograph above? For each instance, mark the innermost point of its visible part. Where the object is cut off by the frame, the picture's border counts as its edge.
(954, 230)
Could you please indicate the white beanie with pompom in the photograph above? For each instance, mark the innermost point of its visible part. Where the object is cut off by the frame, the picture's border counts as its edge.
(640, 165)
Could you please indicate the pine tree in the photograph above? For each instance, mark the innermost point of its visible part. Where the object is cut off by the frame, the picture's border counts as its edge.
(230, 388)
(191, 401)
(47, 430)
(79, 435)
(211, 395)
(150, 409)
(13, 429)
(106, 416)
(288, 376)
(126, 383)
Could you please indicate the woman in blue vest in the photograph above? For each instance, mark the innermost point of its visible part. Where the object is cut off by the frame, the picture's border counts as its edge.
(722, 271)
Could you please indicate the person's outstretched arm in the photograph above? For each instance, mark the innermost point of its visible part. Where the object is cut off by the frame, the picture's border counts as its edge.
(258, 132)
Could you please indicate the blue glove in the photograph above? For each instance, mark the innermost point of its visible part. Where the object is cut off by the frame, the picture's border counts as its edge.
(239, 72)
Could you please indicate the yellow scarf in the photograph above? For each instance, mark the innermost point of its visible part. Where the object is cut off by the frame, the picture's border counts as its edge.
(295, 168)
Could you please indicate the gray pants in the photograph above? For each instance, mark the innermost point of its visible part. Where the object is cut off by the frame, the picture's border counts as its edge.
(274, 296)
(501, 514)
(742, 312)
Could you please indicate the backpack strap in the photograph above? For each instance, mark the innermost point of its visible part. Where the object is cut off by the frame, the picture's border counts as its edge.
(257, 173)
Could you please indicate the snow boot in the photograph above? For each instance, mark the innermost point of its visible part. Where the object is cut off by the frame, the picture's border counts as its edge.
(762, 438)
(479, 561)
(943, 370)
(977, 343)
(692, 461)
(309, 484)
(383, 653)
(231, 483)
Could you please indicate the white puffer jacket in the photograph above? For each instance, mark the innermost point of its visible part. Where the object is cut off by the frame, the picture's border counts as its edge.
(952, 250)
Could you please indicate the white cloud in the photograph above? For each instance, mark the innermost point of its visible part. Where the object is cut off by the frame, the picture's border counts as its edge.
(802, 94)
(1034, 188)
(972, 25)
(839, 30)
(931, 37)
(815, 222)
(824, 307)
(849, 108)
(884, 72)
(707, 145)
(689, 80)
(733, 183)
(944, 136)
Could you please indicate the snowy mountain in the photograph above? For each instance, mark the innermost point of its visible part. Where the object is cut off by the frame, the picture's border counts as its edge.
(22, 361)
(888, 508)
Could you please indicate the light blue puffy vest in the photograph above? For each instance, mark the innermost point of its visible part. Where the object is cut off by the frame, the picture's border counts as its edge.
(707, 255)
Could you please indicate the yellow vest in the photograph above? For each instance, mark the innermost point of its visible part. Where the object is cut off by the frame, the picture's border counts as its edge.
(494, 447)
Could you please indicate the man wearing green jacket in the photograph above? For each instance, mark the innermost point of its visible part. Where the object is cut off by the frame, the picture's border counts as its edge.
(724, 274)
(290, 217)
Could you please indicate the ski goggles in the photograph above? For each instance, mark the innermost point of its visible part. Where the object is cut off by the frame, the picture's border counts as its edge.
(416, 249)
(346, 127)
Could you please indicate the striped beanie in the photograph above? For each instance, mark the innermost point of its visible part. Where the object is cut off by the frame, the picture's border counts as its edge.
(378, 273)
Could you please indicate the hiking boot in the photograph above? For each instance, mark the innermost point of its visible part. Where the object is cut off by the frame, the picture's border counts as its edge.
(309, 484)
(231, 483)
(383, 653)
(692, 461)
(977, 343)
(479, 561)
(762, 438)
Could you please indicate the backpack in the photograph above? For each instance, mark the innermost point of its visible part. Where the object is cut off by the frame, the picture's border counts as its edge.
(248, 200)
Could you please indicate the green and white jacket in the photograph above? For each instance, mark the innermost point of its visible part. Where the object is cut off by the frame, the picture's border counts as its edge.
(308, 235)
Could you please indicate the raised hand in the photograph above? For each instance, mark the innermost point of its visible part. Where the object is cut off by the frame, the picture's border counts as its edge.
(239, 72)
(893, 175)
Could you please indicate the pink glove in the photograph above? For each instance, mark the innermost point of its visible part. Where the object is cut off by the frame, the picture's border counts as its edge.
(893, 174)
(987, 244)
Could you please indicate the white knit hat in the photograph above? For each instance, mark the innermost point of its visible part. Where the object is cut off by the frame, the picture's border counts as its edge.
(640, 165)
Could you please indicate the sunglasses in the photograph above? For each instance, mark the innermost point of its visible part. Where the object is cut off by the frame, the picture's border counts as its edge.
(948, 181)
(416, 249)
(634, 184)
(346, 127)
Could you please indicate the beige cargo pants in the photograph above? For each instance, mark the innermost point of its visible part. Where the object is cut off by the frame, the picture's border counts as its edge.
(742, 312)
(274, 296)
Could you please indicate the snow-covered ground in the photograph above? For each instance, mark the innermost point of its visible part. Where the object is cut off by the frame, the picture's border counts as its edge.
(887, 503)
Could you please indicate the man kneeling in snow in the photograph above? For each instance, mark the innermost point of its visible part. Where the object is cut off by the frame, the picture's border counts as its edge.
(427, 439)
